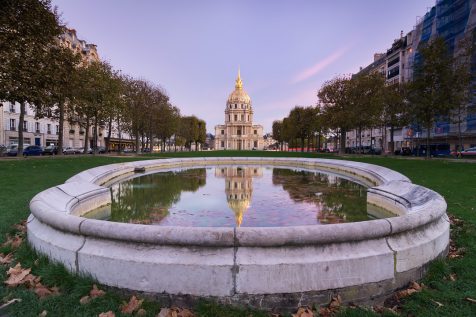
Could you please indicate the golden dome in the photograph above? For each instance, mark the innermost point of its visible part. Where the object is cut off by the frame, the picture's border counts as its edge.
(239, 207)
(239, 95)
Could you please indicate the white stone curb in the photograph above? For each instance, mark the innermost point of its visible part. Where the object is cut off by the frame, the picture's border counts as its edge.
(229, 261)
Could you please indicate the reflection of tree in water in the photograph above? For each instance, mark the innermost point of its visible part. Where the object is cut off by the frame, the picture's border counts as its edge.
(147, 199)
(337, 199)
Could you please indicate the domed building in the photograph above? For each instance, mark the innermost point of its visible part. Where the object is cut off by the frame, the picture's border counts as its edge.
(238, 132)
(238, 188)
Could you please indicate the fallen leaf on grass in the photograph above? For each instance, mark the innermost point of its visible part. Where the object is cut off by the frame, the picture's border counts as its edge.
(471, 300)
(413, 287)
(14, 241)
(455, 252)
(335, 303)
(437, 303)
(21, 226)
(175, 312)
(43, 314)
(42, 291)
(13, 301)
(16, 275)
(453, 277)
(96, 292)
(6, 259)
(85, 300)
(131, 306)
(382, 310)
(141, 312)
(107, 314)
(304, 312)
(455, 221)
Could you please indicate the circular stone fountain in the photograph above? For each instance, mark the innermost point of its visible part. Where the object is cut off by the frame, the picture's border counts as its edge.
(265, 267)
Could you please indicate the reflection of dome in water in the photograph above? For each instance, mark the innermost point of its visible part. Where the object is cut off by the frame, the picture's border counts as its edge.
(239, 95)
(239, 206)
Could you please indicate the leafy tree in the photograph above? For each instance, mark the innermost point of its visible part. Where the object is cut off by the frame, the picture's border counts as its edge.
(430, 92)
(336, 107)
(278, 134)
(28, 30)
(365, 96)
(62, 80)
(395, 111)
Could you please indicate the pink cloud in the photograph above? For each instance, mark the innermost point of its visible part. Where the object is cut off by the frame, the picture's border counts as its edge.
(319, 66)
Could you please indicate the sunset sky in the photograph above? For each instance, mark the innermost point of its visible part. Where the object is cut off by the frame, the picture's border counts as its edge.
(286, 49)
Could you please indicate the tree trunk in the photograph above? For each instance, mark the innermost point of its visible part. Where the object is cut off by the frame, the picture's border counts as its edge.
(428, 150)
(20, 129)
(342, 142)
(61, 127)
(460, 136)
(360, 140)
(319, 141)
(86, 138)
(119, 132)
(392, 143)
(302, 144)
(109, 132)
(95, 134)
(137, 142)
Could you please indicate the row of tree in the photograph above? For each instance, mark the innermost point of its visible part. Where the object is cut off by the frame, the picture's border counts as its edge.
(440, 90)
(36, 70)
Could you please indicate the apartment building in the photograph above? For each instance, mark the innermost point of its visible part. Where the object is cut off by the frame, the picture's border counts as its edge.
(452, 20)
(45, 131)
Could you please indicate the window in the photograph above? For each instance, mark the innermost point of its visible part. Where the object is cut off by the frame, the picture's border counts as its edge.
(236, 117)
(12, 125)
(12, 107)
(48, 128)
(222, 143)
(25, 126)
(236, 106)
(255, 132)
(248, 117)
(57, 129)
(242, 117)
(37, 127)
(229, 117)
(255, 144)
(238, 132)
(230, 106)
(222, 132)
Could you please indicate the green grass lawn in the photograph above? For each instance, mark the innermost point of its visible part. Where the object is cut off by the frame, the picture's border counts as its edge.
(21, 179)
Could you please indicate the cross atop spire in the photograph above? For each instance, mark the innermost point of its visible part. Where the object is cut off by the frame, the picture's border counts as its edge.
(238, 82)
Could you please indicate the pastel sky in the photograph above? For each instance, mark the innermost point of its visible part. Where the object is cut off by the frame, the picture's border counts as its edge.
(286, 49)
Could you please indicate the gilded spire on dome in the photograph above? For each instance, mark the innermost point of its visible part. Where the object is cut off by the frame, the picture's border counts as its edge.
(238, 82)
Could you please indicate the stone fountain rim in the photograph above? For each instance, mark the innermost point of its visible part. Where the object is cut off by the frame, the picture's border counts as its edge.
(54, 206)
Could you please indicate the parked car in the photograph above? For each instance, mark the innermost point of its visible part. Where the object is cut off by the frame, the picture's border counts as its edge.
(33, 150)
(101, 150)
(470, 152)
(375, 151)
(436, 150)
(50, 150)
(128, 150)
(68, 150)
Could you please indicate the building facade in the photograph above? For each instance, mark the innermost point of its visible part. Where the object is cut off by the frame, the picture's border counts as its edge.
(45, 131)
(453, 20)
(238, 132)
